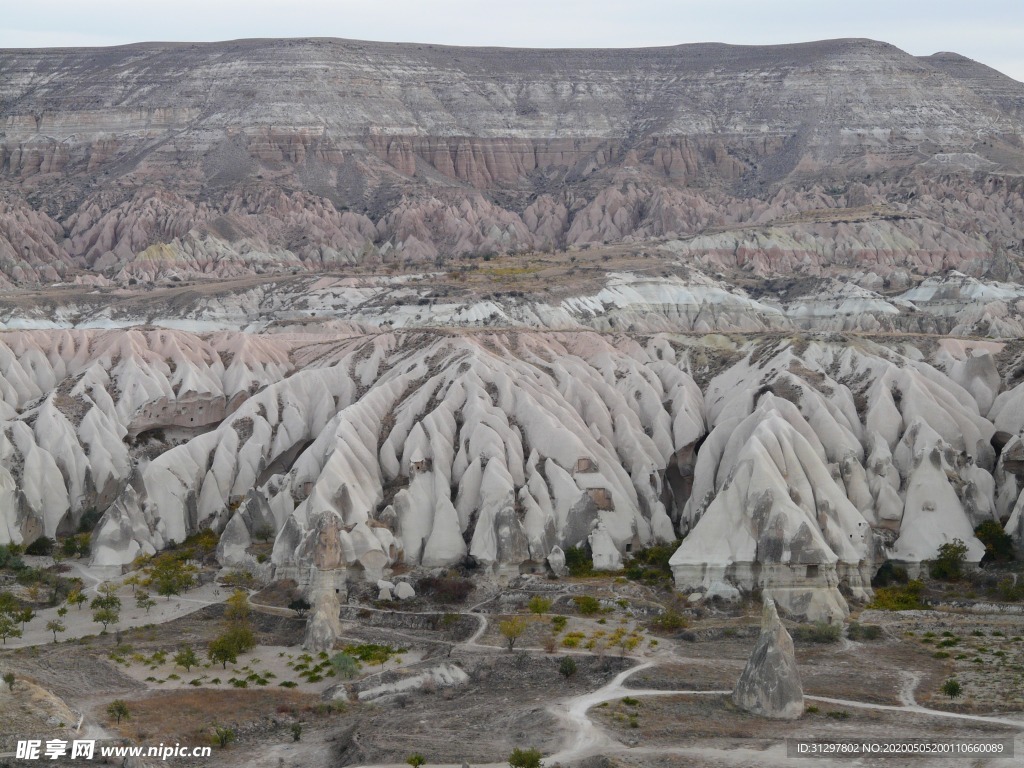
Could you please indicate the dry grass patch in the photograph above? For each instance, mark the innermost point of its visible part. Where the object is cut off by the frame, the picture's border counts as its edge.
(189, 715)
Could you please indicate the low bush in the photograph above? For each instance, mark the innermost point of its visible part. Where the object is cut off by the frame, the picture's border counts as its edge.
(905, 598)
(819, 632)
(858, 631)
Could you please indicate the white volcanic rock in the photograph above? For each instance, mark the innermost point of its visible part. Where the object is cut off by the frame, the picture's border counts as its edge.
(781, 524)
(933, 514)
(509, 447)
(605, 555)
(769, 685)
(404, 591)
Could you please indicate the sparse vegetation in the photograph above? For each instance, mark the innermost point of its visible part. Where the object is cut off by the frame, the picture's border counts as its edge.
(857, 631)
(819, 632)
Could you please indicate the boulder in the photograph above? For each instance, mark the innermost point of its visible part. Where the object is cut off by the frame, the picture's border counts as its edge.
(556, 562)
(770, 683)
(404, 591)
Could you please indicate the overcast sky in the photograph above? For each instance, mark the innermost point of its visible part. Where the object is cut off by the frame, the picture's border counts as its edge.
(990, 31)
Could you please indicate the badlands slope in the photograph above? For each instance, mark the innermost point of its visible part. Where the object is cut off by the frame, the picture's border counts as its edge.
(792, 463)
(480, 305)
(164, 161)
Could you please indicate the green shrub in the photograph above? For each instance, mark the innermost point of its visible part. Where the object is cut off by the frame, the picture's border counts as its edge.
(819, 632)
(567, 667)
(587, 604)
(858, 631)
(890, 574)
(650, 565)
(344, 666)
(669, 621)
(578, 561)
(948, 566)
(539, 605)
(998, 543)
(524, 758)
(905, 598)
(41, 547)
(559, 622)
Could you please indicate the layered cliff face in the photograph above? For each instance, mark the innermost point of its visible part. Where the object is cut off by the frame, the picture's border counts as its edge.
(785, 465)
(157, 160)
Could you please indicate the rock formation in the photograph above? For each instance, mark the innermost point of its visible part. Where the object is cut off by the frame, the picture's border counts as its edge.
(770, 683)
(326, 153)
(794, 466)
(393, 304)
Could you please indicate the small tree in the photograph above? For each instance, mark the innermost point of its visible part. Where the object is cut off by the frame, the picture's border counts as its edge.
(8, 627)
(8, 602)
(627, 643)
(300, 605)
(9, 679)
(263, 532)
(512, 629)
(186, 658)
(949, 564)
(26, 616)
(55, 627)
(524, 758)
(567, 667)
(539, 605)
(106, 609)
(106, 616)
(223, 736)
(296, 731)
(170, 575)
(416, 760)
(118, 709)
(233, 641)
(77, 597)
(144, 601)
(237, 609)
(133, 581)
(69, 547)
(222, 651)
(82, 544)
(953, 689)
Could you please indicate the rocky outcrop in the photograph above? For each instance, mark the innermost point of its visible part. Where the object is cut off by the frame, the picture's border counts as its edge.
(770, 683)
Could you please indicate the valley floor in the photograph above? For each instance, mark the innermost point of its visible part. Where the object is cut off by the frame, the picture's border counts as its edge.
(662, 702)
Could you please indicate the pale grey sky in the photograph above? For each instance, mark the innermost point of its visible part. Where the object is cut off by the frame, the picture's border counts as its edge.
(990, 31)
